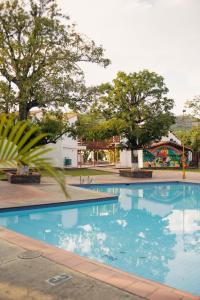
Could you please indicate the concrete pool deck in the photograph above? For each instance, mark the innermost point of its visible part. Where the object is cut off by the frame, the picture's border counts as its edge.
(100, 281)
(26, 279)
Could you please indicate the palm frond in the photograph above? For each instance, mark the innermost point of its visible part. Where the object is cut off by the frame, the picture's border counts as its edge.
(19, 146)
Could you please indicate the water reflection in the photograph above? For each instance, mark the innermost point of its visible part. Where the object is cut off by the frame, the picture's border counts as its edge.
(153, 230)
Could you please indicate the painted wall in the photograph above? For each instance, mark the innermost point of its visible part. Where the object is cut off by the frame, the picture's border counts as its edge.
(125, 156)
(165, 156)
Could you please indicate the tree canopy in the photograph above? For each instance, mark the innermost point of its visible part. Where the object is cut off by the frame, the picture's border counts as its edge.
(40, 52)
(56, 123)
(93, 126)
(190, 137)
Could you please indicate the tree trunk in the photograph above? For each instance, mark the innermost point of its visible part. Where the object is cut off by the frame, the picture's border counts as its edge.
(23, 111)
(134, 159)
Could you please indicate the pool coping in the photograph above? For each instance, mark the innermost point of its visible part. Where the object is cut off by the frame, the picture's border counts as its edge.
(57, 204)
(123, 280)
(135, 183)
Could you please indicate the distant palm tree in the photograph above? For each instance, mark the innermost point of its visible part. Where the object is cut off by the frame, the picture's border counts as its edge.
(19, 148)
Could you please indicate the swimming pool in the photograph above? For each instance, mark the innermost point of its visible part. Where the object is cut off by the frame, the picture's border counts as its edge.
(152, 230)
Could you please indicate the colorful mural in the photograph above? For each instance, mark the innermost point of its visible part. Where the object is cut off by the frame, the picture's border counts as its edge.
(164, 156)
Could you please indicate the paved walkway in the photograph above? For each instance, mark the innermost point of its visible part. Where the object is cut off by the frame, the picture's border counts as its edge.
(115, 178)
(49, 191)
(25, 279)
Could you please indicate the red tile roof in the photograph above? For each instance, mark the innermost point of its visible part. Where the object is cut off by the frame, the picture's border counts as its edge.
(169, 143)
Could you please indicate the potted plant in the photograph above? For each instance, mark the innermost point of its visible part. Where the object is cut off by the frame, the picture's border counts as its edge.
(20, 151)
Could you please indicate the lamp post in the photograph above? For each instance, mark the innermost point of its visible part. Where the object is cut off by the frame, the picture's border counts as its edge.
(183, 152)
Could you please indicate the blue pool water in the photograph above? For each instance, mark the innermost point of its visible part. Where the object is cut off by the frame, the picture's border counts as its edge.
(152, 230)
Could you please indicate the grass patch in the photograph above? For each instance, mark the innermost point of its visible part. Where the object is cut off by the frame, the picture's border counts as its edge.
(85, 172)
(3, 176)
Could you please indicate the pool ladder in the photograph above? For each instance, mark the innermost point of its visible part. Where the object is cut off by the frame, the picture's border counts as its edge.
(86, 180)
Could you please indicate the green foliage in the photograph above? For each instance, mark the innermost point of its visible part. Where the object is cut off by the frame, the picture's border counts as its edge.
(40, 56)
(139, 102)
(194, 105)
(7, 97)
(94, 127)
(190, 138)
(85, 172)
(55, 123)
(19, 147)
(187, 127)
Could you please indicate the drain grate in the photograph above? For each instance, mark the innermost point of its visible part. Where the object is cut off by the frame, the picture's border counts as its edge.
(29, 254)
(58, 279)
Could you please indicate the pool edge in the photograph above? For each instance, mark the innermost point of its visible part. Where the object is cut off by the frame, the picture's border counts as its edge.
(137, 285)
(57, 204)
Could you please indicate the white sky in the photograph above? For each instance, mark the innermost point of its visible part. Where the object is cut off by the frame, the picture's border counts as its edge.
(159, 35)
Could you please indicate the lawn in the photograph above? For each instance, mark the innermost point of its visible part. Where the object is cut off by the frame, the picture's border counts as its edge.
(2, 176)
(85, 172)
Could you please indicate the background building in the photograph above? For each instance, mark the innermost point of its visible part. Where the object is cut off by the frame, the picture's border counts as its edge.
(65, 152)
(166, 153)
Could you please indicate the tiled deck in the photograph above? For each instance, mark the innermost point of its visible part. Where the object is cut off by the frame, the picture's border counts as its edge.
(119, 279)
(12, 196)
(26, 279)
(46, 193)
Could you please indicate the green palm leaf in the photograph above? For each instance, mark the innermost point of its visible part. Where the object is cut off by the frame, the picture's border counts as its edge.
(19, 146)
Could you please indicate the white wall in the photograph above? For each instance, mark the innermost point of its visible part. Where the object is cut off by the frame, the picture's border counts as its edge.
(140, 159)
(125, 159)
(65, 147)
(71, 153)
(59, 152)
(55, 154)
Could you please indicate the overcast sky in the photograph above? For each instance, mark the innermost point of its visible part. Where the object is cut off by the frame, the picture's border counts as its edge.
(159, 35)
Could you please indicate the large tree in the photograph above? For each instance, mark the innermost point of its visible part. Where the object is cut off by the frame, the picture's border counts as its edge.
(40, 52)
(140, 101)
